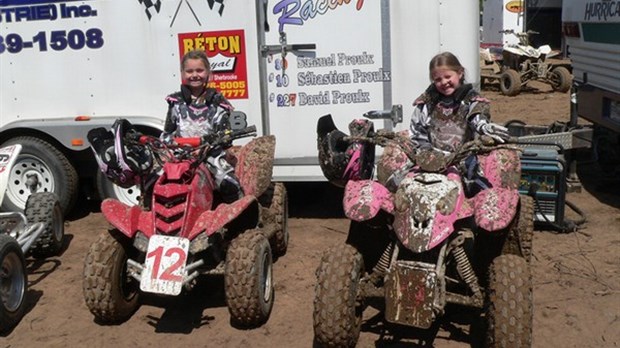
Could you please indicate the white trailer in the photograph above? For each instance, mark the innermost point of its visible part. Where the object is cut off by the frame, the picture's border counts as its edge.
(70, 66)
(592, 36)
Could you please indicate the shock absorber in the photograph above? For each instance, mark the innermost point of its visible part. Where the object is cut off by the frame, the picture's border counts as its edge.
(384, 261)
(464, 268)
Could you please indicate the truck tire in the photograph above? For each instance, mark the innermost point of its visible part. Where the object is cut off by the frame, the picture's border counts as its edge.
(51, 168)
(521, 230)
(44, 207)
(111, 295)
(509, 312)
(337, 304)
(14, 283)
(561, 79)
(510, 82)
(107, 189)
(248, 280)
(275, 199)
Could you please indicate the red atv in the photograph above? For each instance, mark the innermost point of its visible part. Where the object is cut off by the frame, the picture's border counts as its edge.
(181, 229)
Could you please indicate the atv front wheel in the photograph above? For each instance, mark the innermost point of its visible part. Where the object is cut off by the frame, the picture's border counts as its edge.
(248, 280)
(13, 282)
(509, 312)
(510, 82)
(338, 305)
(110, 293)
(45, 207)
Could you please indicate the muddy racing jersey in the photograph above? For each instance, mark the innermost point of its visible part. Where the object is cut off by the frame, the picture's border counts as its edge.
(446, 122)
(190, 116)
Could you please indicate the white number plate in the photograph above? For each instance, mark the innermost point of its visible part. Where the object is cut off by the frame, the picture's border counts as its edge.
(164, 268)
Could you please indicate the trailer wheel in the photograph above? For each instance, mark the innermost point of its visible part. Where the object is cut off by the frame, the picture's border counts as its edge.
(40, 167)
(561, 79)
(107, 189)
(14, 282)
(510, 82)
(44, 207)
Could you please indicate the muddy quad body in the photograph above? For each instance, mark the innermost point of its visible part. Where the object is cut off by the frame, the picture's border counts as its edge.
(181, 229)
(418, 242)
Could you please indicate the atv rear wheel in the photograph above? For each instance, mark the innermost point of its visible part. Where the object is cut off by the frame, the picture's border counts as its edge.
(45, 207)
(248, 281)
(338, 305)
(521, 230)
(509, 312)
(275, 199)
(561, 79)
(13, 282)
(510, 82)
(110, 293)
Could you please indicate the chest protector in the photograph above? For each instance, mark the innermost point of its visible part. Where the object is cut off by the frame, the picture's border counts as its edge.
(449, 127)
(196, 117)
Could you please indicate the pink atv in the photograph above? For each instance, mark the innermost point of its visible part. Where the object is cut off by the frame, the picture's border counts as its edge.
(418, 241)
(182, 230)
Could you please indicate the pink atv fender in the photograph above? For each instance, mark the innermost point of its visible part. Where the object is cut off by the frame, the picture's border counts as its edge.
(495, 208)
(130, 220)
(364, 198)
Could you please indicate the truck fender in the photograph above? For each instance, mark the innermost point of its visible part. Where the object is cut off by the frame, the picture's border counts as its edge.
(364, 198)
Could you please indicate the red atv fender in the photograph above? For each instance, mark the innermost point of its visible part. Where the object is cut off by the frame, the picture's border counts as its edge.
(364, 198)
(129, 220)
(254, 164)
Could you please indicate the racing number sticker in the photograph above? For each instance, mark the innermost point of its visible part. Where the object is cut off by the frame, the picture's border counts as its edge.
(164, 267)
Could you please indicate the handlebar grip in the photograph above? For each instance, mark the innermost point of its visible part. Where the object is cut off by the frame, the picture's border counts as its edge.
(193, 142)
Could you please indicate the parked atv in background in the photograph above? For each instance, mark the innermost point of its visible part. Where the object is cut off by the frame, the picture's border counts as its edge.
(522, 63)
(38, 232)
(418, 241)
(182, 229)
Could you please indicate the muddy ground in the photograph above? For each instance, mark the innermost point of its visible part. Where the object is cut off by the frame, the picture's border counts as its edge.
(576, 275)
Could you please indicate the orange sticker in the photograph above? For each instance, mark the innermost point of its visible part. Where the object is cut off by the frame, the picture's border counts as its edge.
(515, 6)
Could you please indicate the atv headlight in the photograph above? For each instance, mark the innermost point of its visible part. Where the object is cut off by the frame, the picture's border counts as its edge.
(447, 203)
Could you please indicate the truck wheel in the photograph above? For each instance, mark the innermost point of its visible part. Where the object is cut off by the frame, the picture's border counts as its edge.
(44, 207)
(40, 167)
(509, 313)
(561, 79)
(521, 231)
(275, 199)
(107, 189)
(338, 305)
(248, 281)
(510, 82)
(13, 282)
(111, 295)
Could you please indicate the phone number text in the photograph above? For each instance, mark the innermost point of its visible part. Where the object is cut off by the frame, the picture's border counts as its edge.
(57, 40)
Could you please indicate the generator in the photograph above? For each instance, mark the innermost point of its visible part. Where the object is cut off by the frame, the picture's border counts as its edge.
(543, 177)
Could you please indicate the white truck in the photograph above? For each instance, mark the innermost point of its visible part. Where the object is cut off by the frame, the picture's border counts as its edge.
(70, 66)
(592, 36)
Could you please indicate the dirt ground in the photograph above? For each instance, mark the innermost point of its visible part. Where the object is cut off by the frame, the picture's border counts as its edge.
(576, 275)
